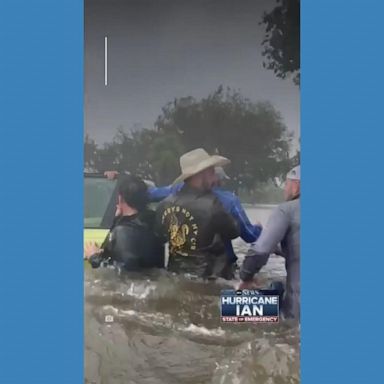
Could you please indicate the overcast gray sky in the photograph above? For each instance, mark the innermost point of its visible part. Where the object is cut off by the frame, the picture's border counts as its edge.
(162, 49)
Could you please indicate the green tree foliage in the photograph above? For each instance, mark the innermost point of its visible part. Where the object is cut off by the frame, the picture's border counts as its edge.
(90, 153)
(151, 154)
(164, 154)
(282, 39)
(252, 135)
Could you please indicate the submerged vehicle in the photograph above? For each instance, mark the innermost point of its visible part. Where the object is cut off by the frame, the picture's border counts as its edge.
(100, 197)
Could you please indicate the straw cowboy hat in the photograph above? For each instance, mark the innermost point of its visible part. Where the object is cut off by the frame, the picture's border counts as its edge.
(193, 162)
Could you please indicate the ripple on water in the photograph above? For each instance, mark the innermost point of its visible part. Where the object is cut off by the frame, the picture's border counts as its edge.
(166, 330)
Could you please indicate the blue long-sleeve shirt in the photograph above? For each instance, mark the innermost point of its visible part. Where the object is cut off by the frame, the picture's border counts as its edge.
(231, 203)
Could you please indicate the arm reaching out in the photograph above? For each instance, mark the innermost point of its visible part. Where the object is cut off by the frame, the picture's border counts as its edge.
(157, 194)
(248, 232)
(271, 236)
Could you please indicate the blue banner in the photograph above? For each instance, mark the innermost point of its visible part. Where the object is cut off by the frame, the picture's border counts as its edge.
(41, 120)
(342, 139)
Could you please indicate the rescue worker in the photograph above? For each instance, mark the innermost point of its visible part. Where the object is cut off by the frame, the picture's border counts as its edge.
(283, 227)
(131, 244)
(194, 222)
(248, 232)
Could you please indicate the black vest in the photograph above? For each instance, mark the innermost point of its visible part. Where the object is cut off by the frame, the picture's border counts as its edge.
(194, 223)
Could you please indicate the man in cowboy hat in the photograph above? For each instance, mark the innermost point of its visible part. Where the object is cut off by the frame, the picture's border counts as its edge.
(248, 232)
(194, 222)
(283, 227)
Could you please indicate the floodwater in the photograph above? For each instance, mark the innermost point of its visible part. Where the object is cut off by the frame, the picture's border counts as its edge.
(165, 329)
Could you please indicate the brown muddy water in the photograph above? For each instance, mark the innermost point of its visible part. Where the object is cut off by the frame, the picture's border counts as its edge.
(164, 329)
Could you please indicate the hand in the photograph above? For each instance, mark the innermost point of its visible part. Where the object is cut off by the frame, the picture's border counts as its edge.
(111, 175)
(90, 249)
(251, 284)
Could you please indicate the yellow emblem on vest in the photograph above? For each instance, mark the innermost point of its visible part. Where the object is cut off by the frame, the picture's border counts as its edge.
(182, 237)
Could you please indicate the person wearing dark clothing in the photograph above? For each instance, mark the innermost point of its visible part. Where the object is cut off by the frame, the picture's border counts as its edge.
(248, 232)
(283, 227)
(194, 222)
(131, 243)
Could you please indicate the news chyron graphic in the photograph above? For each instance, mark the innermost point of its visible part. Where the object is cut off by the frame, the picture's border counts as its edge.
(249, 306)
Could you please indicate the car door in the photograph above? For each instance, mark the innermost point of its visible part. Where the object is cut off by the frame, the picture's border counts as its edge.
(100, 198)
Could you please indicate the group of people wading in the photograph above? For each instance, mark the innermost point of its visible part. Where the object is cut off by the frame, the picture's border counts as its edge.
(198, 219)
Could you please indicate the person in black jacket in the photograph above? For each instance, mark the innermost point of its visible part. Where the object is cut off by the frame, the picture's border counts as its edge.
(131, 244)
(194, 222)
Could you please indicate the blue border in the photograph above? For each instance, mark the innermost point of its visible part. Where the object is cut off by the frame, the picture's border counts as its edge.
(41, 120)
(342, 212)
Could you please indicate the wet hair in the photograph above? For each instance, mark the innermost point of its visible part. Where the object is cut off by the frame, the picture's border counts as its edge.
(134, 192)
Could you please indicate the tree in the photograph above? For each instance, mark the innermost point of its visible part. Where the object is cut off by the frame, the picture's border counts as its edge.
(90, 153)
(151, 154)
(252, 135)
(163, 155)
(282, 39)
(108, 157)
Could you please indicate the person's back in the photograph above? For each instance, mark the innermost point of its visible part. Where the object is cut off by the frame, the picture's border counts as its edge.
(132, 243)
(283, 227)
(194, 222)
(290, 246)
(231, 204)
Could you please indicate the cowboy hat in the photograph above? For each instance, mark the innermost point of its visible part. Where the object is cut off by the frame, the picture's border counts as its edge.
(198, 160)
